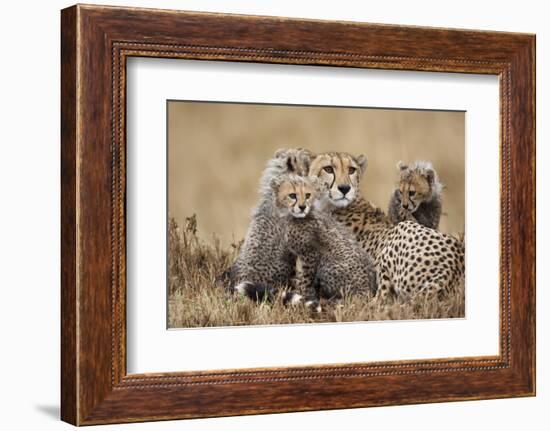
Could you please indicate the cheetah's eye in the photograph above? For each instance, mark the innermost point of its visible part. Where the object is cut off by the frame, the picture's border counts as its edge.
(308, 195)
(292, 195)
(329, 169)
(352, 170)
(412, 193)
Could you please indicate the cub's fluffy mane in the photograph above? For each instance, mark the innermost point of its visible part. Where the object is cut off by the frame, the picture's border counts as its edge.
(423, 167)
(285, 161)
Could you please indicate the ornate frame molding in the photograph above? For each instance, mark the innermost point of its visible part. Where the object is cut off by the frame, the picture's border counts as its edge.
(96, 41)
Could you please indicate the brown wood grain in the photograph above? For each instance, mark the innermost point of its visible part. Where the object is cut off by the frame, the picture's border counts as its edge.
(68, 217)
(96, 41)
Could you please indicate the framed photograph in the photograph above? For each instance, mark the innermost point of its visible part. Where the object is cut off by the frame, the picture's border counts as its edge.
(266, 215)
(211, 232)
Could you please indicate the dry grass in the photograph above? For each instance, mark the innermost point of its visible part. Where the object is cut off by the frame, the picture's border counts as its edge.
(197, 298)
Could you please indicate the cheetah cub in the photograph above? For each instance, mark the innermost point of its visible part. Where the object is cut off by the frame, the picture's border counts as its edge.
(417, 196)
(332, 263)
(264, 265)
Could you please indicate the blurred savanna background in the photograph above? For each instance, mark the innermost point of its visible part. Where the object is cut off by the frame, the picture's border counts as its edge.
(216, 154)
(217, 151)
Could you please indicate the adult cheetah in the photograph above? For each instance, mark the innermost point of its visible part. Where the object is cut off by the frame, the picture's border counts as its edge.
(410, 259)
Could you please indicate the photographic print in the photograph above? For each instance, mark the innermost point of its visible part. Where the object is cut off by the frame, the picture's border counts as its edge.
(290, 214)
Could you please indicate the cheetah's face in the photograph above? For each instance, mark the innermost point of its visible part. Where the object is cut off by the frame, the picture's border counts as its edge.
(340, 174)
(415, 186)
(295, 197)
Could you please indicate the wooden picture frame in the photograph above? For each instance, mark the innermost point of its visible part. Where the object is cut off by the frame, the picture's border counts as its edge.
(95, 43)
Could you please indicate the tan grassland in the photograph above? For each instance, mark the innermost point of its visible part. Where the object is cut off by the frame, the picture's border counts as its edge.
(216, 153)
(198, 299)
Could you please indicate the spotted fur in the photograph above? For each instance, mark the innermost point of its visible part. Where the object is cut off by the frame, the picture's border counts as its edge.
(419, 260)
(263, 262)
(332, 263)
(409, 258)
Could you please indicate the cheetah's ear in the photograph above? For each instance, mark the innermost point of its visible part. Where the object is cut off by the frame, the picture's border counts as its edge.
(304, 152)
(280, 153)
(362, 162)
(289, 157)
(276, 182)
(306, 157)
(401, 166)
(429, 175)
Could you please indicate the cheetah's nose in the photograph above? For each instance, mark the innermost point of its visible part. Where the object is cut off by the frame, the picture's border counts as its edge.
(302, 207)
(344, 188)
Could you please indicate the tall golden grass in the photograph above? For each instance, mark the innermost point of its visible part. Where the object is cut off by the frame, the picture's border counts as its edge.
(198, 297)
